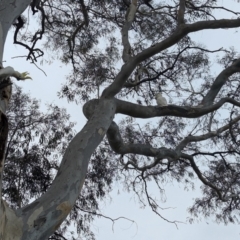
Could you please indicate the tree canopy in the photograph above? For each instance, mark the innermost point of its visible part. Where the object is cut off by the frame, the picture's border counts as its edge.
(122, 54)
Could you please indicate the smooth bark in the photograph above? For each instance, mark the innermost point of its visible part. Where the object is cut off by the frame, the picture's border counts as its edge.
(41, 218)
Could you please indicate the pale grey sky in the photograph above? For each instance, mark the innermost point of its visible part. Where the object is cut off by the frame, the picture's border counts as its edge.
(147, 225)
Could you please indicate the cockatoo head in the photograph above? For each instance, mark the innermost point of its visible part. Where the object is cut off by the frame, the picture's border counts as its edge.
(158, 95)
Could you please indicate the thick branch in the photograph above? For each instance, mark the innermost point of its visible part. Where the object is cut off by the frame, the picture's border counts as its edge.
(130, 15)
(116, 142)
(181, 12)
(180, 32)
(220, 81)
(139, 111)
(85, 12)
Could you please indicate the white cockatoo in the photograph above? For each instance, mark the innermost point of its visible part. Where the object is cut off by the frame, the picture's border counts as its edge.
(10, 72)
(161, 101)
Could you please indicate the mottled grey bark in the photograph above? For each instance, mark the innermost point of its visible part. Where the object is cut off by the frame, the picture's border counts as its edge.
(9, 10)
(41, 218)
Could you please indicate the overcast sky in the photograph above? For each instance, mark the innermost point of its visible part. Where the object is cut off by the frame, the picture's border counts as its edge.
(146, 224)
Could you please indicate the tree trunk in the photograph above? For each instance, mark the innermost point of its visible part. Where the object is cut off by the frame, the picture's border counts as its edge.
(41, 218)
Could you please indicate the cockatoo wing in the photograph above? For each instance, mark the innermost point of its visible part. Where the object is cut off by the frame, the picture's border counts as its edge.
(161, 101)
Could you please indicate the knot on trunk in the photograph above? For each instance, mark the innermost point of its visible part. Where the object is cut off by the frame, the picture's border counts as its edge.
(90, 107)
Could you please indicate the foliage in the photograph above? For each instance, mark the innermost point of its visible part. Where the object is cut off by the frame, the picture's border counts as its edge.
(199, 136)
(36, 143)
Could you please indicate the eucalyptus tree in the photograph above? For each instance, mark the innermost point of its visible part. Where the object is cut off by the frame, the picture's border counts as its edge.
(189, 137)
(36, 141)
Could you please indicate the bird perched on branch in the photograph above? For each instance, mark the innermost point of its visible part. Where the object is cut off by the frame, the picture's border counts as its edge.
(161, 101)
(10, 72)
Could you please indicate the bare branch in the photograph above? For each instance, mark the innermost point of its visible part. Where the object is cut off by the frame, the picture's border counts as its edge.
(133, 84)
(215, 153)
(220, 81)
(37, 36)
(200, 176)
(153, 204)
(113, 220)
(206, 136)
